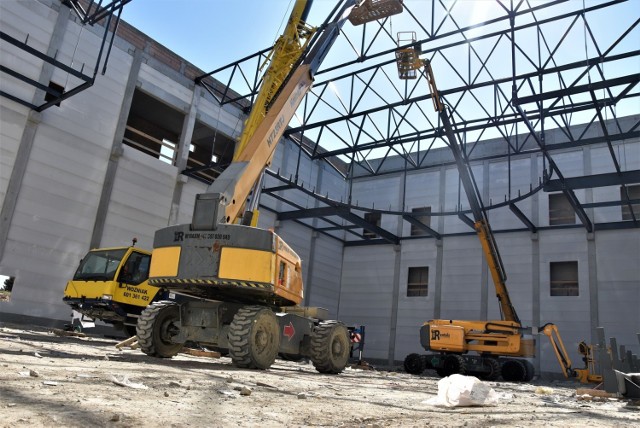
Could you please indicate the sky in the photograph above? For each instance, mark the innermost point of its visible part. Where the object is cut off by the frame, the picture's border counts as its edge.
(213, 33)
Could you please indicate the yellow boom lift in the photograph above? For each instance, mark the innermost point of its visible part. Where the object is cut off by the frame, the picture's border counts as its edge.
(247, 280)
(487, 349)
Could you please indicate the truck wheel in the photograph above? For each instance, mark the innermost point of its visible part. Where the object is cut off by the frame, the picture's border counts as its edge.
(330, 347)
(414, 364)
(453, 364)
(156, 326)
(514, 371)
(493, 369)
(254, 338)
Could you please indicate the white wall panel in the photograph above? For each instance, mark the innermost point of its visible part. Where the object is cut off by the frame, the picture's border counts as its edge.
(378, 193)
(516, 252)
(149, 75)
(220, 118)
(461, 278)
(141, 199)
(188, 199)
(415, 310)
(367, 293)
(422, 190)
(618, 257)
(505, 186)
(25, 21)
(570, 313)
(54, 216)
(13, 119)
(323, 286)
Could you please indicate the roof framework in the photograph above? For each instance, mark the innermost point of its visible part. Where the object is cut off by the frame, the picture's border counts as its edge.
(525, 69)
(508, 70)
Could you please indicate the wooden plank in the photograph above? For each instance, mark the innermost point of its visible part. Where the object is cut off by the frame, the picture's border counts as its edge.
(596, 393)
(198, 353)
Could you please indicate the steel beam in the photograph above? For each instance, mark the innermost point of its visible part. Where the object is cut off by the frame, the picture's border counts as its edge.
(591, 181)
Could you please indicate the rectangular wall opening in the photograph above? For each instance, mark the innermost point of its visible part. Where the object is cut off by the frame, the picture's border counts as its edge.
(418, 281)
(153, 127)
(564, 278)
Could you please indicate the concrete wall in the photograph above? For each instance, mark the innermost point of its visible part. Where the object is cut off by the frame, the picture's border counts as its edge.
(459, 284)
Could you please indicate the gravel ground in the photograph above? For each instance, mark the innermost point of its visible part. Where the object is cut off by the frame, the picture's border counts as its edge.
(49, 380)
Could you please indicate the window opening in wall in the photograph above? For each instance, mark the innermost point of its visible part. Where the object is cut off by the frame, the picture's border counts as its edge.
(418, 281)
(634, 193)
(50, 97)
(153, 127)
(209, 153)
(6, 286)
(560, 210)
(374, 219)
(423, 215)
(168, 152)
(564, 278)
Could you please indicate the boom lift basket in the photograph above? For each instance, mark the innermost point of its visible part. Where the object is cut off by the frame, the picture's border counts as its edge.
(372, 10)
(408, 58)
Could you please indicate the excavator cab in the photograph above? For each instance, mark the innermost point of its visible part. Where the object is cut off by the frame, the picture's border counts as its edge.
(373, 10)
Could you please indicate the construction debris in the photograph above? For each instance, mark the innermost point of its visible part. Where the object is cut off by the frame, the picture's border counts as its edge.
(131, 342)
(59, 332)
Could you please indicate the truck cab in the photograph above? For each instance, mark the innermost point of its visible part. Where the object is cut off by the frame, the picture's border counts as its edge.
(111, 285)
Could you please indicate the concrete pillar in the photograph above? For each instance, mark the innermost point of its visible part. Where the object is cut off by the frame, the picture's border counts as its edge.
(397, 249)
(437, 295)
(592, 263)
(615, 360)
(308, 288)
(116, 151)
(605, 363)
(31, 127)
(182, 157)
(487, 283)
(535, 262)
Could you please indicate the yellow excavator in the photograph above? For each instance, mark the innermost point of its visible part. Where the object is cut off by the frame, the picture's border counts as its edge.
(487, 348)
(247, 280)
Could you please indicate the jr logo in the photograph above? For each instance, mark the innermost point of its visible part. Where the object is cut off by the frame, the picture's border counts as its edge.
(435, 334)
(178, 236)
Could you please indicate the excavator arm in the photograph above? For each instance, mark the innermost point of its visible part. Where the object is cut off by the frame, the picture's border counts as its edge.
(585, 374)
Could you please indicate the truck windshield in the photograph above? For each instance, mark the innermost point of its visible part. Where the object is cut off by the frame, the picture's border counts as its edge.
(99, 265)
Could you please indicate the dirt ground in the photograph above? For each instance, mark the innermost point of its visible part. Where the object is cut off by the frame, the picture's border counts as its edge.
(48, 380)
